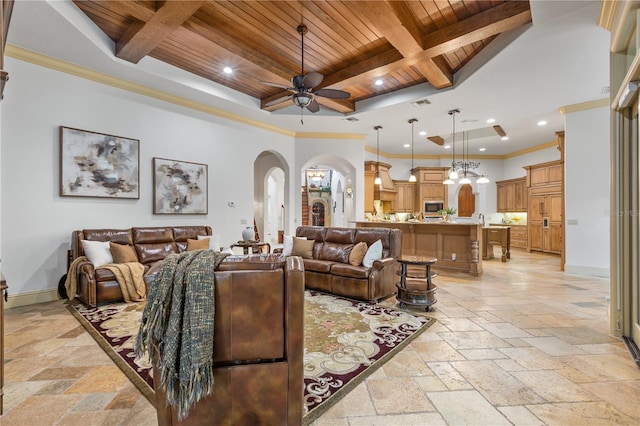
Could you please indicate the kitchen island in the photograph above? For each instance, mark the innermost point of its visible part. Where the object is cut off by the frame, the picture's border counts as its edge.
(456, 245)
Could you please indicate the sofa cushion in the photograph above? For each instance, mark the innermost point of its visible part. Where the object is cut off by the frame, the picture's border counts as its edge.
(98, 252)
(318, 265)
(122, 253)
(153, 235)
(374, 252)
(346, 270)
(357, 253)
(340, 235)
(302, 248)
(149, 253)
(287, 244)
(336, 252)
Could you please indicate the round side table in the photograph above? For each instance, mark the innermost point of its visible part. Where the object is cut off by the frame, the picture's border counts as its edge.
(415, 286)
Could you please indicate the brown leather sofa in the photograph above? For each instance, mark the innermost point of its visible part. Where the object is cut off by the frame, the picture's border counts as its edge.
(152, 244)
(330, 270)
(259, 346)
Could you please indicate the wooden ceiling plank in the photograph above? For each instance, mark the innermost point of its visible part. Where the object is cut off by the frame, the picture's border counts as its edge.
(142, 38)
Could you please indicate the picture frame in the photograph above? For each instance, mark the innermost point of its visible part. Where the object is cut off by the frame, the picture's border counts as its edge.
(99, 165)
(180, 187)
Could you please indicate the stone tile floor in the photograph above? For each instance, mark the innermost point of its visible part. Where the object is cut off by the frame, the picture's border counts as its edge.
(523, 344)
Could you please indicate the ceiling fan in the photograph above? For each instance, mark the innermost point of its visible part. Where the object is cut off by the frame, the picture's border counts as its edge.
(303, 86)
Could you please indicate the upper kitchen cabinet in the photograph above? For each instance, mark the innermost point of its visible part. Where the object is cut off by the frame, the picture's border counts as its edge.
(512, 195)
(430, 186)
(405, 201)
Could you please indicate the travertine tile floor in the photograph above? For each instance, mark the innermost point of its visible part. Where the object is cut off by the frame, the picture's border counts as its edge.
(524, 344)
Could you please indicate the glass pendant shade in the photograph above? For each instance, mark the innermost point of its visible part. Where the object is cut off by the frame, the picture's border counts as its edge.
(482, 179)
(464, 180)
(453, 175)
(412, 178)
(377, 181)
(301, 100)
(448, 182)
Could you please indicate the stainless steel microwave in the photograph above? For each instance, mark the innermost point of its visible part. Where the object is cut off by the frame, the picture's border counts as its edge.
(432, 207)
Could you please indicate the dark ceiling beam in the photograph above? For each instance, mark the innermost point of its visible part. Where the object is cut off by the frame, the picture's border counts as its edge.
(142, 37)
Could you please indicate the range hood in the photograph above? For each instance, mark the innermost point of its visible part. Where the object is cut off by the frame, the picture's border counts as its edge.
(386, 191)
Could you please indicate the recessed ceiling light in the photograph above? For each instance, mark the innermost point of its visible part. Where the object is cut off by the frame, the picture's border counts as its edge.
(422, 133)
(407, 145)
(227, 70)
(447, 146)
(491, 120)
(379, 82)
(505, 138)
(542, 123)
(482, 149)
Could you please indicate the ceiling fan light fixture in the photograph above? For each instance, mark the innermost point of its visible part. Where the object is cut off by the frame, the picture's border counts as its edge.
(302, 99)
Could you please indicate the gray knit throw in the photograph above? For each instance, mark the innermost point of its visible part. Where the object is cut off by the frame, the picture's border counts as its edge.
(179, 320)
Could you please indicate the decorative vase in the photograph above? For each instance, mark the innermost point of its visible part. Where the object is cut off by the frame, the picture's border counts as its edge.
(447, 218)
(248, 234)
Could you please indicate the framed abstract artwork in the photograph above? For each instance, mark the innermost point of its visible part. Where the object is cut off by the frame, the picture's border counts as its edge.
(179, 187)
(98, 165)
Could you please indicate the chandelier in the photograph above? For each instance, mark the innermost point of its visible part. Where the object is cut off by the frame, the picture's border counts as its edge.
(316, 174)
(462, 167)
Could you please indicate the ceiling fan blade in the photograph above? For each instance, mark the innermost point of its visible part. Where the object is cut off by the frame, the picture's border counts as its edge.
(278, 100)
(282, 86)
(332, 93)
(313, 106)
(312, 79)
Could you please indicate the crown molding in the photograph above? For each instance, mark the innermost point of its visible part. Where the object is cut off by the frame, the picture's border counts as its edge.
(584, 106)
(328, 135)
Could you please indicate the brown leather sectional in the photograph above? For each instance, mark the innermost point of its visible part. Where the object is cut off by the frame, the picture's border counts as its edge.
(259, 346)
(152, 244)
(330, 270)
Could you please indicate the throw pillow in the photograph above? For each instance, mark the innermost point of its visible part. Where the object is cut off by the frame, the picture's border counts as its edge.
(357, 253)
(302, 248)
(373, 253)
(287, 244)
(197, 244)
(122, 253)
(214, 241)
(98, 252)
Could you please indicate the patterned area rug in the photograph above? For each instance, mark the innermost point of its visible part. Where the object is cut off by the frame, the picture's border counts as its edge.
(345, 341)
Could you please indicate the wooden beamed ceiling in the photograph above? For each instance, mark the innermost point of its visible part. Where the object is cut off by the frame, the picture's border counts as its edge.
(351, 43)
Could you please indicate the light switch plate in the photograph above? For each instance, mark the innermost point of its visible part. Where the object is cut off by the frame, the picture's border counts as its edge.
(572, 221)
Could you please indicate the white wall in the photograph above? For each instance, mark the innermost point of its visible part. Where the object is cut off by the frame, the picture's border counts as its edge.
(37, 223)
(587, 192)
(513, 167)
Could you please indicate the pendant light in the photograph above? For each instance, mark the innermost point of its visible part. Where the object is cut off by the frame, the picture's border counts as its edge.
(453, 174)
(378, 180)
(412, 178)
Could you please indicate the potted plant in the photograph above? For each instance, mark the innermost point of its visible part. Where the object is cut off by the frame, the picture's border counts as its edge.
(446, 213)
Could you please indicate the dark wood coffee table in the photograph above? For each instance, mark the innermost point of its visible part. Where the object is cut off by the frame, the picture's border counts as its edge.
(255, 246)
(415, 286)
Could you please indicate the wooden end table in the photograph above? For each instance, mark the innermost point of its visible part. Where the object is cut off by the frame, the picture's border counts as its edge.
(415, 286)
(255, 246)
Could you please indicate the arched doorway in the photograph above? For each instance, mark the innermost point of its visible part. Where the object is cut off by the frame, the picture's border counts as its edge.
(270, 196)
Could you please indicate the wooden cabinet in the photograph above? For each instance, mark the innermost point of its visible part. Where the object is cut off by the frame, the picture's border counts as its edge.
(512, 195)
(546, 207)
(519, 236)
(405, 201)
(430, 186)
(369, 177)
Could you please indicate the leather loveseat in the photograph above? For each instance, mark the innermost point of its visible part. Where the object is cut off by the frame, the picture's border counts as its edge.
(259, 346)
(151, 244)
(330, 271)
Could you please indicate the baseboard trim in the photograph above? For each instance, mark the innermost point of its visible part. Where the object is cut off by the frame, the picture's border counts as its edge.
(587, 270)
(24, 299)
